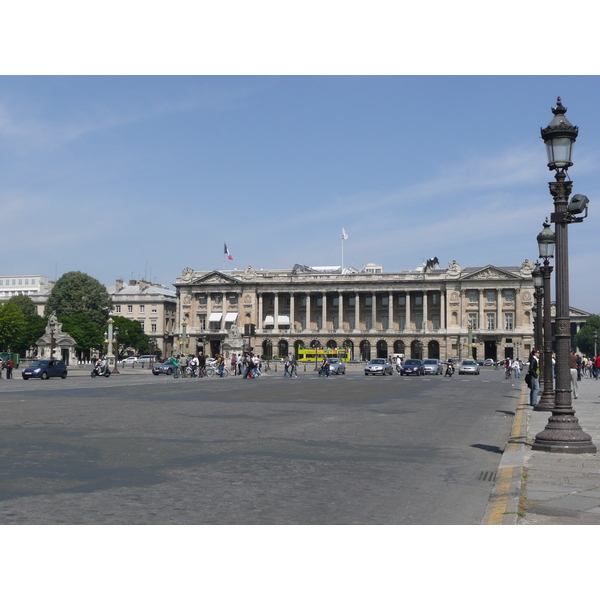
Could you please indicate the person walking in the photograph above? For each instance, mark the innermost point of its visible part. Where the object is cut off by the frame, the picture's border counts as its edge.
(597, 369)
(516, 367)
(573, 362)
(183, 363)
(175, 364)
(293, 366)
(233, 363)
(534, 376)
(1, 366)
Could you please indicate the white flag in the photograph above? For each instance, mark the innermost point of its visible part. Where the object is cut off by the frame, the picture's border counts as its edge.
(344, 234)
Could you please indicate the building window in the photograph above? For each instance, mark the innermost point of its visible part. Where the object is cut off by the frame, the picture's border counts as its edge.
(418, 321)
(27, 282)
(336, 322)
(33, 282)
(508, 296)
(202, 300)
(352, 301)
(303, 322)
(154, 309)
(368, 322)
(435, 299)
(419, 300)
(385, 322)
(491, 296)
(402, 300)
(319, 321)
(508, 321)
(319, 301)
(303, 301)
(141, 325)
(385, 301)
(142, 308)
(336, 301)
(473, 320)
(20, 282)
(202, 321)
(233, 300)
(401, 322)
(117, 308)
(473, 296)
(130, 308)
(351, 322)
(435, 321)
(491, 321)
(218, 298)
(153, 327)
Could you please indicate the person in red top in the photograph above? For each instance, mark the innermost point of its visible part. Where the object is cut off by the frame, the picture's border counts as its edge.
(597, 365)
(9, 368)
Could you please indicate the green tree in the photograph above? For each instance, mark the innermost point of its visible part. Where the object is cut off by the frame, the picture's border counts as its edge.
(32, 328)
(131, 335)
(25, 303)
(584, 338)
(82, 305)
(12, 323)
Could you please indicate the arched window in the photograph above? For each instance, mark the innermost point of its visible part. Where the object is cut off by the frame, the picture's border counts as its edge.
(365, 350)
(382, 349)
(282, 348)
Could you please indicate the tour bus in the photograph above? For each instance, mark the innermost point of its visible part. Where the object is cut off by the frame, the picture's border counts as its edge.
(317, 354)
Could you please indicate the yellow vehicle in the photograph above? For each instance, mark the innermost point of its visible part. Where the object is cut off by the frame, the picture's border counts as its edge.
(317, 354)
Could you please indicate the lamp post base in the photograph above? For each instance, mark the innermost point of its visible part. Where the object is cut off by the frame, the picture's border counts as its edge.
(564, 434)
(545, 403)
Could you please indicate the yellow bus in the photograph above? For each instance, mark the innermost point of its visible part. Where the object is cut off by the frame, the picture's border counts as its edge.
(317, 354)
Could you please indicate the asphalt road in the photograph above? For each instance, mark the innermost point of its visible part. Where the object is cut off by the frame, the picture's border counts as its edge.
(138, 449)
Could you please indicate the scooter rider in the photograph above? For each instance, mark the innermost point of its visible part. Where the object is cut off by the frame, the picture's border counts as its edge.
(449, 368)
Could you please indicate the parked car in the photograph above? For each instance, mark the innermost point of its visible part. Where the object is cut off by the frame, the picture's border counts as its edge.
(379, 366)
(44, 369)
(433, 366)
(336, 367)
(468, 366)
(166, 368)
(488, 362)
(412, 366)
(146, 359)
(130, 360)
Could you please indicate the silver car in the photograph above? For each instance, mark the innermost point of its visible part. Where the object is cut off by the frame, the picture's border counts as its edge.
(433, 366)
(336, 367)
(468, 366)
(379, 366)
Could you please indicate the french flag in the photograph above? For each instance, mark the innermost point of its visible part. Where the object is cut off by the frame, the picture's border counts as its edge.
(227, 252)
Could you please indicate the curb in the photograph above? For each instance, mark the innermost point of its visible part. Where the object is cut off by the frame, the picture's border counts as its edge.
(503, 505)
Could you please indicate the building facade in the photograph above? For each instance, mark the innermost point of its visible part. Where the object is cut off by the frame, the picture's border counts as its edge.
(429, 312)
(153, 305)
(36, 286)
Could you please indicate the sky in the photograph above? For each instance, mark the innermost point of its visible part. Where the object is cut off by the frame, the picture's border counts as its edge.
(142, 176)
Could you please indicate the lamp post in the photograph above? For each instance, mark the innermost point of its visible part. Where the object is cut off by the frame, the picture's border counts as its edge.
(563, 432)
(165, 339)
(538, 294)
(184, 337)
(115, 370)
(546, 242)
(110, 357)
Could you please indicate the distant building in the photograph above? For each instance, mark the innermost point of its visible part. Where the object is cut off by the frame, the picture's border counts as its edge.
(35, 286)
(153, 305)
(428, 312)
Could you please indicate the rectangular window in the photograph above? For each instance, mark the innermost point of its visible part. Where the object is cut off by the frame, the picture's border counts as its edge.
(368, 301)
(1, 281)
(319, 321)
(385, 301)
(336, 322)
(351, 322)
(153, 327)
(142, 308)
(401, 323)
(218, 298)
(303, 322)
(303, 301)
(33, 282)
(435, 321)
(320, 301)
(117, 308)
(508, 321)
(418, 300)
(418, 321)
(491, 321)
(20, 282)
(508, 296)
(473, 320)
(141, 324)
(154, 309)
(233, 300)
(336, 301)
(385, 322)
(202, 300)
(352, 301)
(368, 322)
(202, 321)
(27, 282)
(402, 300)
(491, 296)
(130, 308)
(473, 296)
(435, 299)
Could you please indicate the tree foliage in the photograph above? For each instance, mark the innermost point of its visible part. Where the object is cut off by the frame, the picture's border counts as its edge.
(584, 338)
(12, 323)
(30, 329)
(85, 333)
(25, 303)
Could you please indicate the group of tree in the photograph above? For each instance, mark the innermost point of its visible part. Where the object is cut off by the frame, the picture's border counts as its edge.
(82, 305)
(585, 340)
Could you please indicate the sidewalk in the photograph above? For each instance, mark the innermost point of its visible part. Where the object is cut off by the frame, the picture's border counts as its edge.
(545, 488)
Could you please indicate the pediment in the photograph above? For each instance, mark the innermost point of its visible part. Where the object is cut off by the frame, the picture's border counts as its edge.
(215, 277)
(491, 272)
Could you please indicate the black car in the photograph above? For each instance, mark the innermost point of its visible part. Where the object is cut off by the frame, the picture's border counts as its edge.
(44, 369)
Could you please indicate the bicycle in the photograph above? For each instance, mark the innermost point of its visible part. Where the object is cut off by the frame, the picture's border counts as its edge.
(211, 371)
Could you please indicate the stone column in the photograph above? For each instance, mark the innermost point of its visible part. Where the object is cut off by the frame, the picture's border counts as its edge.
(517, 297)
(481, 302)
(443, 310)
(340, 311)
(390, 310)
(373, 311)
(324, 311)
(308, 311)
(292, 312)
(499, 324)
(356, 311)
(260, 323)
(276, 311)
(407, 311)
(425, 312)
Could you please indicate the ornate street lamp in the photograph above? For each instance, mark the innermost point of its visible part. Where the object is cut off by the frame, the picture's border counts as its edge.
(115, 370)
(546, 241)
(538, 294)
(563, 432)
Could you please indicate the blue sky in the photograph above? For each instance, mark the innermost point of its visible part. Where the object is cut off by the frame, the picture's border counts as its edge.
(131, 176)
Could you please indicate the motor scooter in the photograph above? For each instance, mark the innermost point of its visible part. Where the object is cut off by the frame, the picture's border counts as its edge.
(96, 372)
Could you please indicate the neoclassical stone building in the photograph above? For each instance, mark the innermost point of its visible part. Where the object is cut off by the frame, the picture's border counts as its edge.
(428, 312)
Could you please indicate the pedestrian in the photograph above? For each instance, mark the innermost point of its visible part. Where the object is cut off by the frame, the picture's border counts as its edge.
(533, 376)
(256, 366)
(233, 363)
(10, 365)
(183, 363)
(597, 369)
(286, 367)
(1, 366)
(516, 367)
(293, 366)
(194, 364)
(175, 364)
(579, 367)
(398, 364)
(573, 358)
(589, 367)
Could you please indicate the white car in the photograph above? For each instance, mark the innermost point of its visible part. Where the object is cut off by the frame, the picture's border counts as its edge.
(130, 360)
(468, 366)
